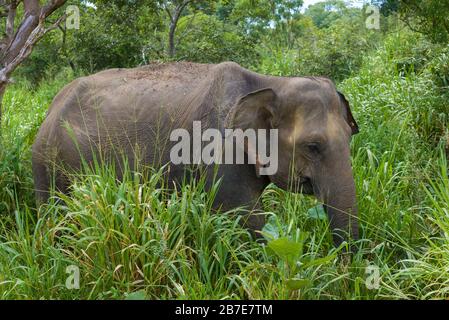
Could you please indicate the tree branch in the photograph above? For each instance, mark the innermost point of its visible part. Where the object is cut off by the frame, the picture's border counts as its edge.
(16, 47)
(33, 14)
(31, 7)
(12, 9)
(49, 8)
(27, 48)
(169, 13)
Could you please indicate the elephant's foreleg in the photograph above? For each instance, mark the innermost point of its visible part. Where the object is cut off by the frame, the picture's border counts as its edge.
(241, 188)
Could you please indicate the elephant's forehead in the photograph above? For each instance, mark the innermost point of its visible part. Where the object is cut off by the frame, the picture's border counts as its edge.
(335, 126)
(321, 126)
(296, 128)
(309, 90)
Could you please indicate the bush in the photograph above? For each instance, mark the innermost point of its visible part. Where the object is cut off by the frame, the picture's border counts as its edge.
(335, 52)
(206, 39)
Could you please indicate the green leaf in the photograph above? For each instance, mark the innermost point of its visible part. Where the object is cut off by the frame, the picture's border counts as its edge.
(286, 249)
(138, 295)
(317, 212)
(272, 228)
(296, 284)
(318, 261)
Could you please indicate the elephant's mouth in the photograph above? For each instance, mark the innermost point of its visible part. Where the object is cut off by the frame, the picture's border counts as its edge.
(300, 184)
(305, 185)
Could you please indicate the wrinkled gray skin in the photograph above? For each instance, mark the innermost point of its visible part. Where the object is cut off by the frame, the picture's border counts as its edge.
(136, 109)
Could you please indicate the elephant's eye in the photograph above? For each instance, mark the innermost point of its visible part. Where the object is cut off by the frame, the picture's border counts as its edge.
(313, 148)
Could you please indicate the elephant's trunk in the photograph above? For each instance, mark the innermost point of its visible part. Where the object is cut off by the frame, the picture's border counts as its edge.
(336, 188)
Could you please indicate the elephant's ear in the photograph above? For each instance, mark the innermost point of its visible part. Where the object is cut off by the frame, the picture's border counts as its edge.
(256, 110)
(348, 114)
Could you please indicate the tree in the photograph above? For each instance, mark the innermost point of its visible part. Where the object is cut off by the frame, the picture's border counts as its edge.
(387, 7)
(429, 17)
(17, 43)
(207, 39)
(325, 13)
(175, 9)
(261, 14)
(114, 34)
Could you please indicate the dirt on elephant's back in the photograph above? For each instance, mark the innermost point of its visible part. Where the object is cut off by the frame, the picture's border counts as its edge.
(173, 79)
(170, 71)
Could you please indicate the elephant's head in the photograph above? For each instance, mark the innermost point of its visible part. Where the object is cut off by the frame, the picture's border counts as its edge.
(315, 126)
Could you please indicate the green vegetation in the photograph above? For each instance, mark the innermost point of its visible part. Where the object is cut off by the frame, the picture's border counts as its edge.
(133, 239)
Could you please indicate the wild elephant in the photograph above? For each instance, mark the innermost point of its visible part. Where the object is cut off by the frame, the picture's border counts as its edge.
(138, 109)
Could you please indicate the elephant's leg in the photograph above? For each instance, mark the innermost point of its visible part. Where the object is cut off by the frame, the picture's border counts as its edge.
(46, 179)
(45, 183)
(41, 182)
(241, 188)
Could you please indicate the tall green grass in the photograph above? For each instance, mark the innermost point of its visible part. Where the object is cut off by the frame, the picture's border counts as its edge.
(133, 236)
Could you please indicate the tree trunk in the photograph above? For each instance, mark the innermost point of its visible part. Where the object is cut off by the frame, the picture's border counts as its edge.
(171, 39)
(174, 18)
(64, 48)
(16, 46)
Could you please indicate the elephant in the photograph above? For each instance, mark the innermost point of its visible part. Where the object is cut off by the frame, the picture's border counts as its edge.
(135, 110)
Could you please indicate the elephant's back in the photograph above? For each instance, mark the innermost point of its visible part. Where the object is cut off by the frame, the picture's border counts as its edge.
(165, 81)
(160, 72)
(157, 77)
(119, 105)
(126, 94)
